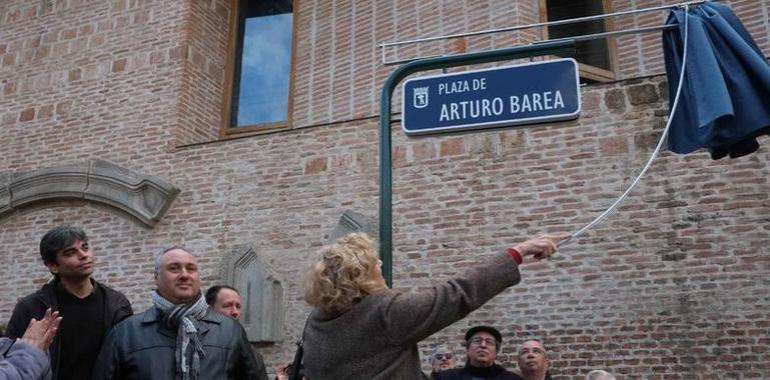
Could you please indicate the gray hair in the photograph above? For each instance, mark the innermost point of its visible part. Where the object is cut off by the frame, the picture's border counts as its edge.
(159, 256)
(599, 374)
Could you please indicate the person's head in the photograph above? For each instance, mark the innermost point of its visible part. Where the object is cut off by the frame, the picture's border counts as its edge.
(224, 299)
(66, 253)
(176, 276)
(599, 374)
(482, 344)
(533, 359)
(345, 272)
(442, 359)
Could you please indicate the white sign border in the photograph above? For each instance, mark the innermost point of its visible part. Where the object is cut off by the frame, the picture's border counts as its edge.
(474, 126)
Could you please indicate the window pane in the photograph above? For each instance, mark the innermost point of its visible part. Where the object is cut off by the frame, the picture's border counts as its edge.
(594, 52)
(262, 93)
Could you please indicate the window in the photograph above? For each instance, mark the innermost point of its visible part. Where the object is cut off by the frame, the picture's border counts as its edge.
(596, 57)
(260, 65)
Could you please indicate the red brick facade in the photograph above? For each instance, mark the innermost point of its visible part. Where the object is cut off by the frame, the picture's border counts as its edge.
(672, 286)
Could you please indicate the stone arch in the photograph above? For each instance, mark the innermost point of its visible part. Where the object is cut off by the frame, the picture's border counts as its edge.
(143, 197)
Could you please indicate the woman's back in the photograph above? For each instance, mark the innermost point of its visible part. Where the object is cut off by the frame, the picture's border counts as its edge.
(377, 338)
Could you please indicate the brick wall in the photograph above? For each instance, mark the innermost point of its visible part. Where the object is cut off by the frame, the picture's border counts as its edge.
(674, 285)
(753, 14)
(649, 292)
(88, 78)
(202, 48)
(330, 51)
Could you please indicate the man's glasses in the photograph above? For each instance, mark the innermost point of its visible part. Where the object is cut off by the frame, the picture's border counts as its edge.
(442, 356)
(489, 341)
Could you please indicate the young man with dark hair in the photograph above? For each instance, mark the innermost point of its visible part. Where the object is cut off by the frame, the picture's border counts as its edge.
(224, 299)
(89, 308)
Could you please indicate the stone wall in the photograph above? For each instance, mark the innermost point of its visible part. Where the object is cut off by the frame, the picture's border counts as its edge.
(674, 285)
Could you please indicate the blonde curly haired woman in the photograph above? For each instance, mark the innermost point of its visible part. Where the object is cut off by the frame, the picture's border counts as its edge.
(360, 329)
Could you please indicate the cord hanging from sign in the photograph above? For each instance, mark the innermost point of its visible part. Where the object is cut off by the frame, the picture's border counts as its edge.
(655, 152)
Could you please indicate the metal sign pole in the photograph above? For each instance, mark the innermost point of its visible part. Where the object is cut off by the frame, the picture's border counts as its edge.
(386, 178)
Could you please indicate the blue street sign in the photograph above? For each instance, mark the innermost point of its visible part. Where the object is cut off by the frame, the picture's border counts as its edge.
(521, 94)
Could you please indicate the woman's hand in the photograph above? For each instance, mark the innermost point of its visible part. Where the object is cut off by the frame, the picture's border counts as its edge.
(540, 248)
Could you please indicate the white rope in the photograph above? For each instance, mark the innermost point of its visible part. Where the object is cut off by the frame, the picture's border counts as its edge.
(657, 148)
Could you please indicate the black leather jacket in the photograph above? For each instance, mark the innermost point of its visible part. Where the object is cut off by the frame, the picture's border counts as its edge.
(116, 309)
(141, 348)
(495, 372)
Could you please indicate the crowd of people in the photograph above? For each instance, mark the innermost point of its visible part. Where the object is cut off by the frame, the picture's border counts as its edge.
(482, 344)
(91, 332)
(361, 329)
(75, 327)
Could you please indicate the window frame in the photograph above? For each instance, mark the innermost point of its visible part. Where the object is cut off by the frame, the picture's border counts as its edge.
(228, 131)
(587, 71)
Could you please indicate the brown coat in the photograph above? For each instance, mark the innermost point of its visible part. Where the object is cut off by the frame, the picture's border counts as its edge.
(377, 338)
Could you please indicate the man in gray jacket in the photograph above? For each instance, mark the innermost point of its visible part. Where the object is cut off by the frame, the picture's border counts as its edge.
(179, 337)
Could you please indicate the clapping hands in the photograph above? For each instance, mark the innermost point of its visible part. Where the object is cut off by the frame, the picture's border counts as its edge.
(40, 333)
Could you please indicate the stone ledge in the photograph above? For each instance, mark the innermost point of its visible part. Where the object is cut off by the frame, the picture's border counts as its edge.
(146, 198)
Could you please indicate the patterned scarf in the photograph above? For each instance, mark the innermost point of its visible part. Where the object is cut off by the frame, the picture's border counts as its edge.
(184, 318)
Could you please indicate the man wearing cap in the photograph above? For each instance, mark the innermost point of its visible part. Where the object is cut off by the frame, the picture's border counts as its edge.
(441, 360)
(482, 344)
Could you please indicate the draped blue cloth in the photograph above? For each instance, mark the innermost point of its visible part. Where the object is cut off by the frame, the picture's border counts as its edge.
(725, 100)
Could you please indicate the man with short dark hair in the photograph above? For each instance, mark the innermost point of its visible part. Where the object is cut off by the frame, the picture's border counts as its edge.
(179, 337)
(88, 307)
(533, 360)
(482, 344)
(224, 299)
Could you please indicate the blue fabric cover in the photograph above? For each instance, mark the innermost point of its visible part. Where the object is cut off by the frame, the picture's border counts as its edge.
(725, 100)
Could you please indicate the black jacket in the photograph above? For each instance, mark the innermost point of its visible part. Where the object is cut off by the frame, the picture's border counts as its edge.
(495, 372)
(141, 348)
(116, 309)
